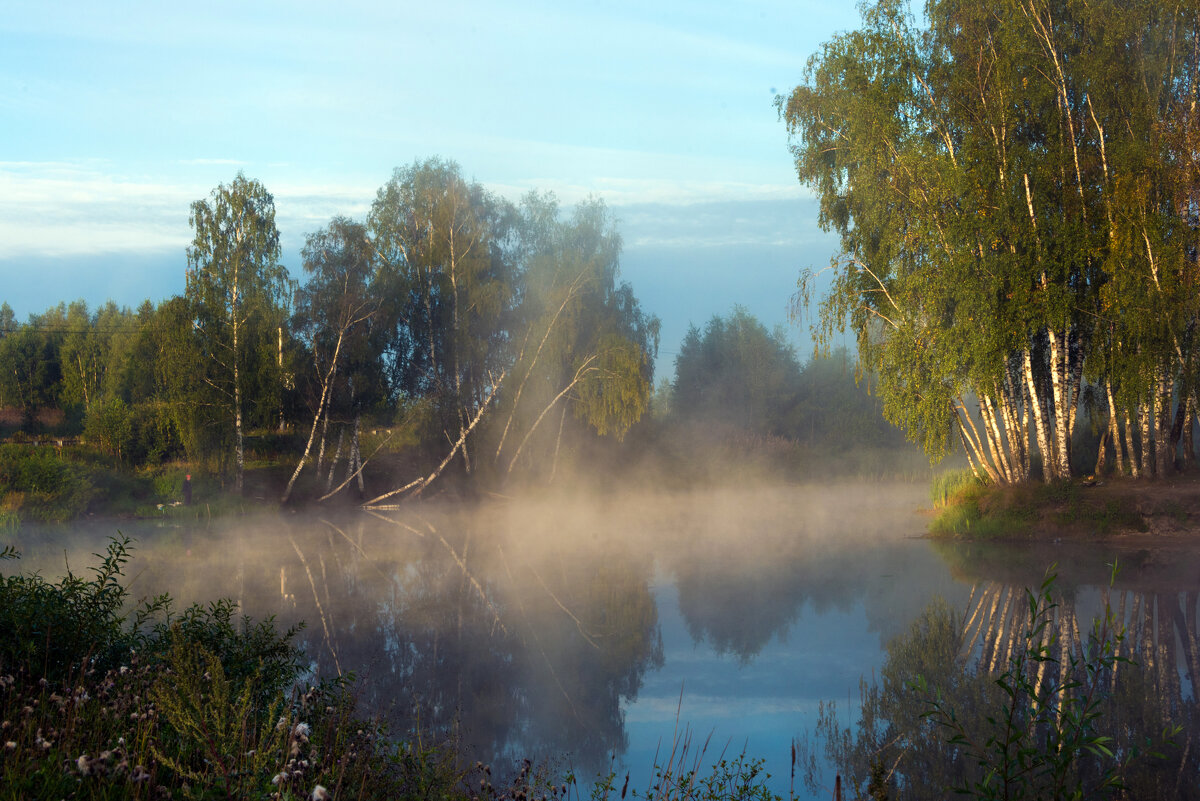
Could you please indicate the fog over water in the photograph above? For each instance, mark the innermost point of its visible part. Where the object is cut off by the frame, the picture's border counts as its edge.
(574, 627)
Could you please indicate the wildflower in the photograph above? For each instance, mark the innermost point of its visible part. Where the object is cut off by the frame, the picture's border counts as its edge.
(123, 670)
(10, 746)
(83, 764)
(319, 793)
(302, 730)
(279, 777)
(281, 725)
(139, 774)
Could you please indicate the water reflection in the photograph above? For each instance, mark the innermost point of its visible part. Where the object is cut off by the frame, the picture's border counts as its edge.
(1145, 686)
(539, 628)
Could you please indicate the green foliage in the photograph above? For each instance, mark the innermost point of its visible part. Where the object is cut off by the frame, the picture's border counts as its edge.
(1003, 236)
(110, 425)
(214, 724)
(38, 484)
(54, 630)
(103, 703)
(617, 393)
(237, 292)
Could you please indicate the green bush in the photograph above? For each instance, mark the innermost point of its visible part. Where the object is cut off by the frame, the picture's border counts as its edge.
(109, 425)
(107, 703)
(38, 484)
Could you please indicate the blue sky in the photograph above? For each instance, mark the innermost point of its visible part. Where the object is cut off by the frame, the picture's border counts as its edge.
(115, 117)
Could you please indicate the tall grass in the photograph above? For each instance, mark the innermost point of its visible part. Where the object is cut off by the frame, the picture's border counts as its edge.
(946, 486)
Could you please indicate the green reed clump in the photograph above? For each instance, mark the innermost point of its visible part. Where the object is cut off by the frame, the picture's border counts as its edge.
(946, 487)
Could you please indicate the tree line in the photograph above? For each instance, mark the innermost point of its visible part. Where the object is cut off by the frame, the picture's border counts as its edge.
(493, 329)
(1014, 185)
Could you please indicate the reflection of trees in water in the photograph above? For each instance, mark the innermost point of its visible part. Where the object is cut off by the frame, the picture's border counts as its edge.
(511, 651)
(961, 658)
(739, 592)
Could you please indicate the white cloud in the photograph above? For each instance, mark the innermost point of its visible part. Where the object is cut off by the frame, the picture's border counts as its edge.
(65, 208)
(75, 208)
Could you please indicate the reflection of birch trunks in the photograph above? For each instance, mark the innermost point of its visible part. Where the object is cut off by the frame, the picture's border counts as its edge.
(1151, 636)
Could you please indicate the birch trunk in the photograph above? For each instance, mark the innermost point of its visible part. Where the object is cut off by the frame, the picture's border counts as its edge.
(1165, 450)
(355, 453)
(1135, 469)
(995, 441)
(1114, 429)
(1039, 421)
(312, 434)
(240, 446)
(1186, 436)
(1146, 415)
(1014, 433)
(1062, 413)
(337, 454)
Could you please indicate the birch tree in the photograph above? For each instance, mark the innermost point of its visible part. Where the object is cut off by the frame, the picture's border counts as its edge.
(237, 289)
(1008, 200)
(440, 244)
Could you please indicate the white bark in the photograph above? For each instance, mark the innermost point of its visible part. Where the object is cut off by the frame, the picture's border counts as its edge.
(1062, 415)
(1043, 438)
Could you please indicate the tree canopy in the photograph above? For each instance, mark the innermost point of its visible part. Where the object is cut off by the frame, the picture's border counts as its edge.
(1012, 184)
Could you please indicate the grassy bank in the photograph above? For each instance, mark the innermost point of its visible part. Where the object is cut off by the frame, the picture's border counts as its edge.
(44, 484)
(967, 507)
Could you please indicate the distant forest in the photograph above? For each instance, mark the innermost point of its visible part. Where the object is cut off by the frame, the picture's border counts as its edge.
(450, 330)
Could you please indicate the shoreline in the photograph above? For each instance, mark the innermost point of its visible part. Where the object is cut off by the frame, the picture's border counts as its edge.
(1119, 510)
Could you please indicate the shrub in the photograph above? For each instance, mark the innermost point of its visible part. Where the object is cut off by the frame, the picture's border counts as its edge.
(101, 703)
(39, 485)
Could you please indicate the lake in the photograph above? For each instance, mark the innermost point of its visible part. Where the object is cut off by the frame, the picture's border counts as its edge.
(596, 631)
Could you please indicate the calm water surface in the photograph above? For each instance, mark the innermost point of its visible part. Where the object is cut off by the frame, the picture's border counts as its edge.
(595, 631)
